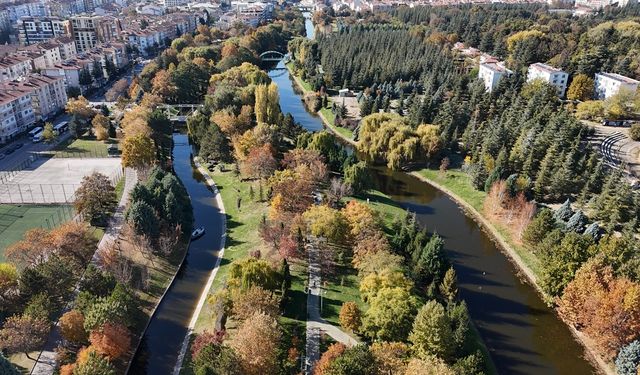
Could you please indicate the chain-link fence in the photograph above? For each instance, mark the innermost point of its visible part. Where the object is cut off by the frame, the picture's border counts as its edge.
(19, 193)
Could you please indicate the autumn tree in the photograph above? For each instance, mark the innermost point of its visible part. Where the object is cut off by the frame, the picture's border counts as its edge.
(163, 86)
(101, 124)
(95, 199)
(259, 163)
(350, 316)
(292, 193)
(356, 360)
(391, 357)
(373, 283)
(23, 334)
(332, 352)
(72, 326)
(248, 272)
(117, 90)
(357, 175)
(267, 103)
(307, 163)
(32, 250)
(8, 284)
(138, 152)
(112, 340)
(79, 108)
(256, 343)
(326, 222)
(428, 366)
(581, 88)
(48, 134)
(204, 339)
(255, 299)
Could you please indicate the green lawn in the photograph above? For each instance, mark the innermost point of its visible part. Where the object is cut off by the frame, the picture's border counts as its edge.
(83, 147)
(242, 229)
(15, 220)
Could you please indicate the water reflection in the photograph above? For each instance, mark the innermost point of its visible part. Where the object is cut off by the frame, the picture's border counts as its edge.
(161, 344)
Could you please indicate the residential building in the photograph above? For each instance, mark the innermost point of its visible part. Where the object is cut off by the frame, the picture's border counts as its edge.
(609, 84)
(67, 47)
(89, 30)
(48, 95)
(490, 73)
(33, 30)
(69, 71)
(14, 66)
(26, 9)
(16, 113)
(550, 75)
(174, 3)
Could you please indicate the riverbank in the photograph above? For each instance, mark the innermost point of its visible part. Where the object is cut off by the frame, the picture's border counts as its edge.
(525, 263)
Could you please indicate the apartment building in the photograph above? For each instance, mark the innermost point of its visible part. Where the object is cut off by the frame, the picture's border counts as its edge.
(67, 47)
(33, 30)
(491, 72)
(26, 9)
(159, 31)
(609, 84)
(67, 8)
(14, 66)
(550, 75)
(16, 113)
(48, 95)
(69, 71)
(89, 30)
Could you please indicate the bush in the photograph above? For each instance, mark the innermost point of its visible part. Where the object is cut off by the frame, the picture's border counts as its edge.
(628, 360)
(634, 132)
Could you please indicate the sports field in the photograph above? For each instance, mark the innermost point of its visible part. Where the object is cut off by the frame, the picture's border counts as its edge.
(15, 220)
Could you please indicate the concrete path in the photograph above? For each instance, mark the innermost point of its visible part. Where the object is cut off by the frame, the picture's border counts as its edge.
(46, 362)
(315, 324)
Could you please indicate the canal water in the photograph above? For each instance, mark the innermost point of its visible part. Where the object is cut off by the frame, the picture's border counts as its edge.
(162, 342)
(523, 335)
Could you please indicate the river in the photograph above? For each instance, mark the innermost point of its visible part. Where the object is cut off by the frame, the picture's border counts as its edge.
(162, 341)
(523, 335)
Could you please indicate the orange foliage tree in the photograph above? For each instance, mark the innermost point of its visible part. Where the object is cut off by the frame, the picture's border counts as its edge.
(256, 343)
(513, 212)
(72, 326)
(259, 163)
(333, 352)
(112, 340)
(604, 306)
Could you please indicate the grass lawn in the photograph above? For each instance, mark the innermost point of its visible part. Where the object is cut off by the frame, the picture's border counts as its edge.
(15, 220)
(83, 147)
(242, 229)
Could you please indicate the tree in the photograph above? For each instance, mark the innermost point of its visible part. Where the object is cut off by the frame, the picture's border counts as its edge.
(214, 146)
(581, 88)
(143, 219)
(95, 198)
(248, 272)
(337, 190)
(101, 126)
(373, 283)
(204, 339)
(564, 212)
(94, 364)
(431, 334)
(72, 326)
(628, 359)
(6, 367)
(350, 316)
(333, 351)
(117, 90)
(111, 340)
(257, 343)
(391, 357)
(634, 131)
(357, 360)
(390, 314)
(590, 110)
(138, 152)
(79, 108)
(97, 72)
(48, 133)
(254, 299)
(428, 366)
(259, 163)
(449, 288)
(8, 283)
(539, 227)
(577, 222)
(357, 175)
(23, 334)
(326, 222)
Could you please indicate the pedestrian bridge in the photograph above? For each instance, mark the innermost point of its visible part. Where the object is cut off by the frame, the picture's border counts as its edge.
(179, 112)
(272, 56)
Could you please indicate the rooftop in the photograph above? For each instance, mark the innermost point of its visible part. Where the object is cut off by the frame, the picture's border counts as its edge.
(619, 77)
(546, 68)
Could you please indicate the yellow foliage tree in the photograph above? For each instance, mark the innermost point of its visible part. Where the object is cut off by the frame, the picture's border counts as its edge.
(138, 152)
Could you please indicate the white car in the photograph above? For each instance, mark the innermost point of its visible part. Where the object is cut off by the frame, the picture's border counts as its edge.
(197, 233)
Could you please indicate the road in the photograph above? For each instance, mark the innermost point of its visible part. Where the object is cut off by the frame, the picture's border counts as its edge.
(13, 160)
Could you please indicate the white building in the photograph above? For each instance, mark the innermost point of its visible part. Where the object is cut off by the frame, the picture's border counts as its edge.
(491, 73)
(13, 67)
(67, 47)
(16, 113)
(33, 30)
(550, 75)
(609, 84)
(48, 95)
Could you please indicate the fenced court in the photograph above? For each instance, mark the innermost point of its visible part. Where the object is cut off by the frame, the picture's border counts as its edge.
(15, 220)
(54, 180)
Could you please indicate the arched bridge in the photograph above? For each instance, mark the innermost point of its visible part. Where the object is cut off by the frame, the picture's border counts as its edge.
(272, 56)
(179, 112)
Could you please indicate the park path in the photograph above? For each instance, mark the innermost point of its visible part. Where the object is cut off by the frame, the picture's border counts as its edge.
(315, 324)
(46, 362)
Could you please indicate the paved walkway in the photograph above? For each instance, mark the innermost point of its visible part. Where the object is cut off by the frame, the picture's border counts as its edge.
(47, 360)
(315, 324)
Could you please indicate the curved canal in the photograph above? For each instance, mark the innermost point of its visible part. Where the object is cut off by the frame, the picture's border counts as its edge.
(523, 335)
(162, 342)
